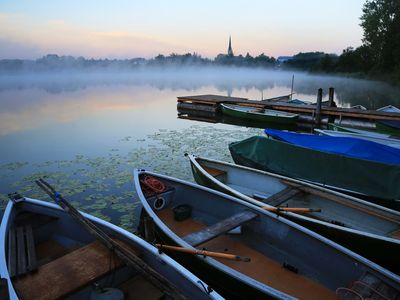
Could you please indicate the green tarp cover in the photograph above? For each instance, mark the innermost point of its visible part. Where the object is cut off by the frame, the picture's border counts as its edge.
(367, 177)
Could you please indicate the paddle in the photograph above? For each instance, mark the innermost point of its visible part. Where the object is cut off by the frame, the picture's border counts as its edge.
(291, 209)
(122, 252)
(205, 253)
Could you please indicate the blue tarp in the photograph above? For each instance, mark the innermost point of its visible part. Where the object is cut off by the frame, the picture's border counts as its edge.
(347, 146)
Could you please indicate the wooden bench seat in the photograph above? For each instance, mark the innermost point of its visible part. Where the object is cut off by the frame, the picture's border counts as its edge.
(210, 232)
(67, 274)
(21, 251)
(282, 196)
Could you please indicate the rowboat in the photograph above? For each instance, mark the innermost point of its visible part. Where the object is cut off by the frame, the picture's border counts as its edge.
(335, 127)
(381, 140)
(276, 257)
(349, 221)
(259, 114)
(45, 254)
(375, 180)
(390, 126)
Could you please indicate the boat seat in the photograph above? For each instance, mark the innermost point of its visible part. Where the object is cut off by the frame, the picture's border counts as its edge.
(21, 251)
(210, 232)
(369, 287)
(67, 274)
(282, 196)
(214, 172)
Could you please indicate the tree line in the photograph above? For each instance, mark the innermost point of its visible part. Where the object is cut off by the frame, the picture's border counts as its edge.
(378, 56)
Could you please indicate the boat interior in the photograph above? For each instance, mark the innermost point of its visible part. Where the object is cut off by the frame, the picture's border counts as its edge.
(281, 257)
(51, 256)
(285, 193)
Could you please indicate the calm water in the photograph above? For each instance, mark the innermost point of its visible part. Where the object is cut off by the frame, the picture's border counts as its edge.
(86, 132)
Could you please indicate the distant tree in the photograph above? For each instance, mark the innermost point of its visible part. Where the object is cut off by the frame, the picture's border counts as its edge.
(381, 24)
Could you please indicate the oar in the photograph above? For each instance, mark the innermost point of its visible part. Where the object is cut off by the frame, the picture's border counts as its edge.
(204, 253)
(124, 253)
(291, 209)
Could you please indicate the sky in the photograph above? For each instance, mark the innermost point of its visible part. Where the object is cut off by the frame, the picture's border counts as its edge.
(30, 29)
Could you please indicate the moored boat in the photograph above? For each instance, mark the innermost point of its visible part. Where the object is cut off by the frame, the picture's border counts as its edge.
(45, 254)
(346, 220)
(390, 126)
(373, 138)
(336, 127)
(376, 180)
(286, 260)
(259, 114)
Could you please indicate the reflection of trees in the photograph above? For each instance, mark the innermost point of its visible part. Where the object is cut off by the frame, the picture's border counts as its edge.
(225, 79)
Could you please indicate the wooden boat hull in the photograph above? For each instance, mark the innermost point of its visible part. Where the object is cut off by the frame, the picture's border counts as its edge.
(347, 174)
(337, 226)
(250, 113)
(270, 241)
(68, 232)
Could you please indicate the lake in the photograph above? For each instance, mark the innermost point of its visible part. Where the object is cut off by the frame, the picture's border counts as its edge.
(86, 132)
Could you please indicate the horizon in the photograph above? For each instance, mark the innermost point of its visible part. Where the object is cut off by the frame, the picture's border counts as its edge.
(100, 29)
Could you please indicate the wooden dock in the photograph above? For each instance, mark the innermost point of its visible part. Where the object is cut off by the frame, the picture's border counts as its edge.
(210, 103)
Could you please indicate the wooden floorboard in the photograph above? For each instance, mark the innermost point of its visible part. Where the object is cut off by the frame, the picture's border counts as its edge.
(261, 268)
(66, 274)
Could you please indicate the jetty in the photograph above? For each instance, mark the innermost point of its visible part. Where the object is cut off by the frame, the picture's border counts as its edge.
(318, 113)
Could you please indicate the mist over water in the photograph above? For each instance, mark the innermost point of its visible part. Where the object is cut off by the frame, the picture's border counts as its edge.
(235, 81)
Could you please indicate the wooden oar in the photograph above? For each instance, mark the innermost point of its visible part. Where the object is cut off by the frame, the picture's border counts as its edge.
(291, 209)
(205, 253)
(124, 253)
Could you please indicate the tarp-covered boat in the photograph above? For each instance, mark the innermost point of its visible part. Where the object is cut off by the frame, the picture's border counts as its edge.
(286, 260)
(345, 173)
(349, 221)
(259, 114)
(346, 146)
(45, 254)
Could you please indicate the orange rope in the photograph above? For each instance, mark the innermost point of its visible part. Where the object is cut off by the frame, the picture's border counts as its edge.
(154, 184)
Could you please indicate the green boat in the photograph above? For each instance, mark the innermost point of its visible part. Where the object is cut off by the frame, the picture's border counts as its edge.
(259, 114)
(380, 182)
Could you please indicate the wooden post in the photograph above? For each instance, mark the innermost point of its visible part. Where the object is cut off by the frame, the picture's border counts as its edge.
(318, 108)
(331, 103)
(331, 96)
(291, 91)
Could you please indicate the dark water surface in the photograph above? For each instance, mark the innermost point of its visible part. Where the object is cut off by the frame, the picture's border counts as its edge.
(85, 133)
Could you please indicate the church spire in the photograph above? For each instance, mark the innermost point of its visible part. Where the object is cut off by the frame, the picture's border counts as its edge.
(230, 51)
